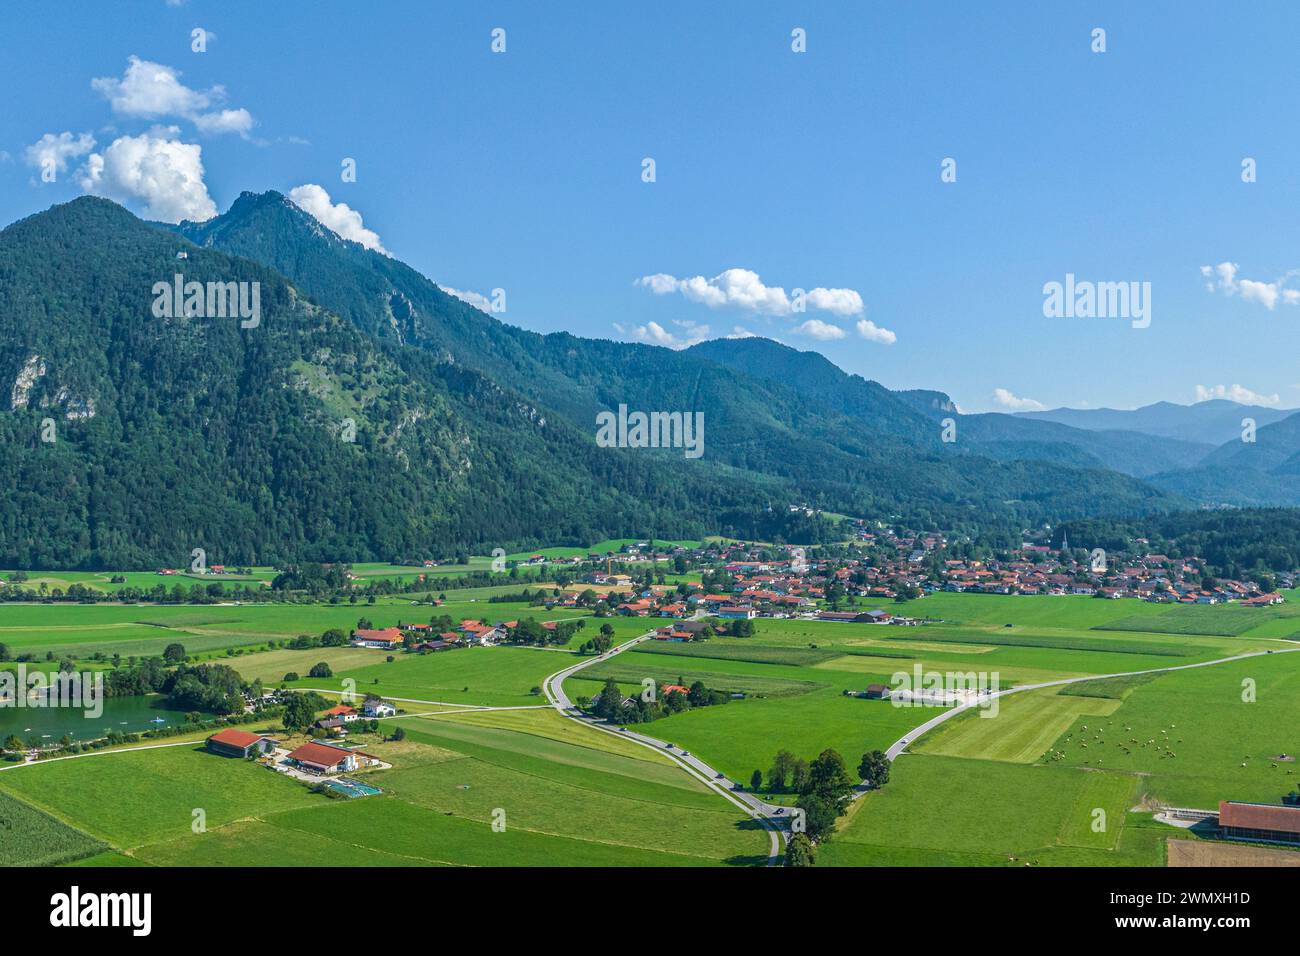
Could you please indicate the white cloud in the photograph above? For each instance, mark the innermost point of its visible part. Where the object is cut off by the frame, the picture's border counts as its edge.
(1235, 393)
(1223, 278)
(339, 217)
(150, 90)
(478, 300)
(225, 121)
(822, 331)
(164, 174)
(652, 333)
(839, 301)
(740, 332)
(744, 289)
(874, 333)
(54, 151)
(1006, 399)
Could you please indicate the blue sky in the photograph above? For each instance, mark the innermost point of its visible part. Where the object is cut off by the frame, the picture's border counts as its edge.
(816, 170)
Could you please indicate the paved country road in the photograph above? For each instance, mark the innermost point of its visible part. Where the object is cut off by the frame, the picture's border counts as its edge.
(764, 813)
(900, 745)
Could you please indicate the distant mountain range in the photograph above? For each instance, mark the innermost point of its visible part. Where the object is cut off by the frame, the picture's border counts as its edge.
(371, 415)
(1213, 422)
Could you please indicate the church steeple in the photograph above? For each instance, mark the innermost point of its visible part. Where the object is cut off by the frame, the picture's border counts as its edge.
(1065, 542)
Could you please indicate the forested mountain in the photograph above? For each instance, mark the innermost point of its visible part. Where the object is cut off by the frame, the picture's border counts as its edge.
(864, 452)
(1236, 543)
(172, 432)
(991, 435)
(131, 439)
(1265, 471)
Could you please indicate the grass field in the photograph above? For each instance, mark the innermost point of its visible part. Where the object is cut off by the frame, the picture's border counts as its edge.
(1023, 728)
(1197, 737)
(568, 795)
(946, 811)
(146, 629)
(1022, 787)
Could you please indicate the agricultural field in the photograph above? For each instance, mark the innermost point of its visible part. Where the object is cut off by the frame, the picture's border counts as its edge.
(948, 811)
(567, 794)
(141, 630)
(1021, 787)
(29, 837)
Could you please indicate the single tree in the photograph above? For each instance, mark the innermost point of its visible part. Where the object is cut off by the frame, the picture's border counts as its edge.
(800, 851)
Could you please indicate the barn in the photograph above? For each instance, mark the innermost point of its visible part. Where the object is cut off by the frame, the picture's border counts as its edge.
(239, 743)
(1264, 822)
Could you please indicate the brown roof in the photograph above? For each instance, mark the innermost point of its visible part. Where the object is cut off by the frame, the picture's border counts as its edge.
(235, 738)
(322, 755)
(1259, 816)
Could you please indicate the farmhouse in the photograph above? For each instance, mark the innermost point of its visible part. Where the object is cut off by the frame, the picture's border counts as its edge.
(325, 759)
(1263, 822)
(343, 711)
(876, 692)
(375, 707)
(737, 612)
(239, 743)
(385, 638)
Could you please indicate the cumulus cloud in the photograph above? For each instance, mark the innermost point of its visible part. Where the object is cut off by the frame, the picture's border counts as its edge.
(874, 333)
(52, 151)
(1004, 398)
(1224, 278)
(339, 217)
(740, 332)
(164, 174)
(148, 90)
(744, 289)
(1236, 393)
(839, 301)
(652, 333)
(225, 121)
(476, 299)
(822, 331)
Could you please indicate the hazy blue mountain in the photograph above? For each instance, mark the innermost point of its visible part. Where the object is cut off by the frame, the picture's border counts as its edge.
(1214, 422)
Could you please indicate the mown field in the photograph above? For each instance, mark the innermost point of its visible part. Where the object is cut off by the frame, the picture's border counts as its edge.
(568, 795)
(1019, 787)
(142, 630)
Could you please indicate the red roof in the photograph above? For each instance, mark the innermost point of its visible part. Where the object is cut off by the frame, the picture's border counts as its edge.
(321, 755)
(1259, 816)
(235, 738)
(340, 710)
(390, 634)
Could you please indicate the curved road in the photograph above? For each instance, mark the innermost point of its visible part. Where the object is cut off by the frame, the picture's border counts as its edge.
(765, 813)
(910, 737)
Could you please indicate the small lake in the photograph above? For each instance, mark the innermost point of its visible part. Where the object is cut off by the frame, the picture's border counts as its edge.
(123, 714)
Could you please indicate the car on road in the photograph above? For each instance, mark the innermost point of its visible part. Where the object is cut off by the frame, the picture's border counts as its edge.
(668, 746)
(780, 811)
(686, 753)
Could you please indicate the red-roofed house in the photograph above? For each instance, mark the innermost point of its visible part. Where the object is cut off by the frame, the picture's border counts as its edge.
(323, 758)
(385, 638)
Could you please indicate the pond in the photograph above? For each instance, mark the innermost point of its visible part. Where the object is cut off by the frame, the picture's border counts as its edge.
(47, 725)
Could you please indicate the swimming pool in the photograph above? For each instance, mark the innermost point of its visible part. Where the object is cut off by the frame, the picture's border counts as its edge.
(351, 789)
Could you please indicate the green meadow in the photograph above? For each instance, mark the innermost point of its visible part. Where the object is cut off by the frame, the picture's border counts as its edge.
(558, 794)
(1020, 788)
